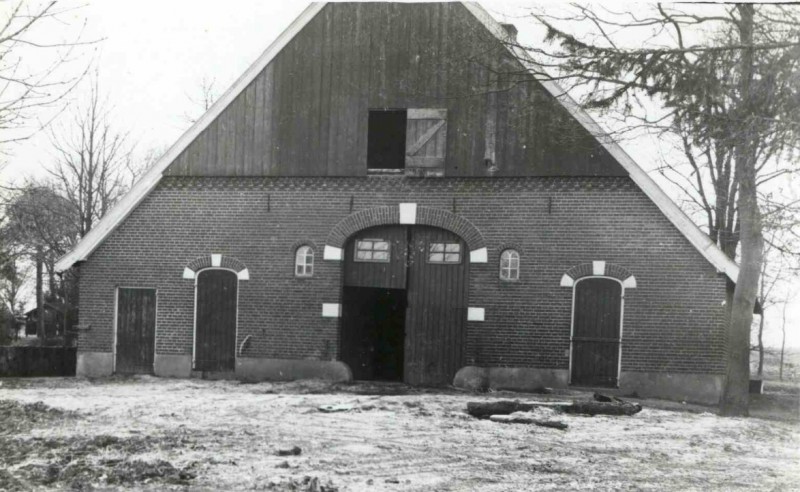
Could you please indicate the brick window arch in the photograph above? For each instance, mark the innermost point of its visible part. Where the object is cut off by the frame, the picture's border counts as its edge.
(598, 269)
(215, 260)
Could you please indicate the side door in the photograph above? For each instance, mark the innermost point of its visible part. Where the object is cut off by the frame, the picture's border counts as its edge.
(136, 330)
(596, 332)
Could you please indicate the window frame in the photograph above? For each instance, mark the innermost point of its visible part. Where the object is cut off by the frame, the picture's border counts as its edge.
(388, 250)
(513, 254)
(306, 264)
(444, 253)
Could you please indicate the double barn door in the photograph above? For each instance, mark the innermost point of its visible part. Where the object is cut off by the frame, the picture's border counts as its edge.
(404, 316)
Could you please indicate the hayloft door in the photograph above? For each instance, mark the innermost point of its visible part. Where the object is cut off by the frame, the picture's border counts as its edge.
(596, 332)
(436, 317)
(215, 321)
(136, 330)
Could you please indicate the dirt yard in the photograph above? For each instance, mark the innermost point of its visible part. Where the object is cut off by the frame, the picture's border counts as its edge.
(155, 434)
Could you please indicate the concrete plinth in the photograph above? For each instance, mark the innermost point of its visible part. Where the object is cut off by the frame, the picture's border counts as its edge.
(173, 366)
(253, 369)
(705, 389)
(510, 378)
(94, 364)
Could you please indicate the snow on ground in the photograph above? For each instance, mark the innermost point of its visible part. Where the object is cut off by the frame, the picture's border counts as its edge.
(225, 435)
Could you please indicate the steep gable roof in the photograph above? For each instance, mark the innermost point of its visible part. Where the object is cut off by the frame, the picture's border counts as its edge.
(150, 180)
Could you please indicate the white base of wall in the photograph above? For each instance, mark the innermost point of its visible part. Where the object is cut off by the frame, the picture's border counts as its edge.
(94, 364)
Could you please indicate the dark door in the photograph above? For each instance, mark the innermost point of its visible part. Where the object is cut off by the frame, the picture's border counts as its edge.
(215, 318)
(436, 317)
(136, 330)
(373, 333)
(596, 332)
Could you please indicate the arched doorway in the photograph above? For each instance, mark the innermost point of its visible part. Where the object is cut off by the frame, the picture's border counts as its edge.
(405, 304)
(215, 320)
(596, 332)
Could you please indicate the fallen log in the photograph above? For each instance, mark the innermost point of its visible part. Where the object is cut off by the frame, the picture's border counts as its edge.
(483, 410)
(602, 408)
(518, 419)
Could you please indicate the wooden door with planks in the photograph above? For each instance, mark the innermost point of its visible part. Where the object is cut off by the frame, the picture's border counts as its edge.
(436, 317)
(215, 321)
(136, 330)
(596, 332)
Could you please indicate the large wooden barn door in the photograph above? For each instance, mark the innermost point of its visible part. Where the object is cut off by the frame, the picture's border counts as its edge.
(374, 303)
(436, 317)
(596, 332)
(136, 330)
(215, 321)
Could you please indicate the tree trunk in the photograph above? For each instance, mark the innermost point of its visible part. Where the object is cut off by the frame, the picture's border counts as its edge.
(783, 339)
(761, 342)
(736, 397)
(40, 294)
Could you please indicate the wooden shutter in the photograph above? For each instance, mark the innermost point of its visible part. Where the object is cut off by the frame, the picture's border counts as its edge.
(426, 142)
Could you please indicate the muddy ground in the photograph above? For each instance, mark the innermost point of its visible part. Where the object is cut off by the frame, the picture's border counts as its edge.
(155, 434)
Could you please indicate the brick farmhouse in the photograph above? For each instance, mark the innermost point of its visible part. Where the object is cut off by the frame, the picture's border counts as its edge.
(389, 193)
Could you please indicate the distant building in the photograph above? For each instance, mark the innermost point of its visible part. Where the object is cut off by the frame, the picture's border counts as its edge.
(388, 193)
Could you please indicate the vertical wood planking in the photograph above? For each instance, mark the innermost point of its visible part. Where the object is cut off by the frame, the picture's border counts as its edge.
(307, 111)
(136, 322)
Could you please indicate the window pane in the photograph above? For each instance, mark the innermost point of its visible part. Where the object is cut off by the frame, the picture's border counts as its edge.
(453, 247)
(381, 246)
(363, 255)
(380, 255)
(437, 247)
(505, 262)
(436, 257)
(451, 257)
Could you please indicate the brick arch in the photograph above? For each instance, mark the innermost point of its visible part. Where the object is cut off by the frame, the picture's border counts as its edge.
(208, 261)
(391, 215)
(598, 269)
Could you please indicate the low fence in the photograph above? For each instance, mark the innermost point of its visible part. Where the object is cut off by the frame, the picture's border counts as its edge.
(37, 361)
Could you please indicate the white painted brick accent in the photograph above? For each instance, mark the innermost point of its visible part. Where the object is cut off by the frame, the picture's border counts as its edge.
(216, 260)
(476, 314)
(408, 213)
(567, 281)
(480, 255)
(331, 310)
(244, 274)
(188, 273)
(332, 253)
(630, 283)
(598, 268)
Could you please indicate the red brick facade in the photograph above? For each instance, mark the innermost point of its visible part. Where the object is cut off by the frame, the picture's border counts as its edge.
(674, 321)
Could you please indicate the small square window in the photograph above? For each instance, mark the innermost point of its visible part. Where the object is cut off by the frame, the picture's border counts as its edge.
(444, 253)
(375, 250)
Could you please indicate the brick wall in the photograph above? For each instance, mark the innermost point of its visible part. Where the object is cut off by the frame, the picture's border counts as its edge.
(673, 322)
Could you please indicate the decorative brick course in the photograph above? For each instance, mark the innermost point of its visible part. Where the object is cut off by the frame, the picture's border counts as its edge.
(674, 321)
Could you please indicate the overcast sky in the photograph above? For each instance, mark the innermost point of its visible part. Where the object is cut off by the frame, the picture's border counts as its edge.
(153, 55)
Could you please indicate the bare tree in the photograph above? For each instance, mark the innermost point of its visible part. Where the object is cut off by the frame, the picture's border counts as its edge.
(731, 95)
(25, 87)
(93, 164)
(207, 94)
